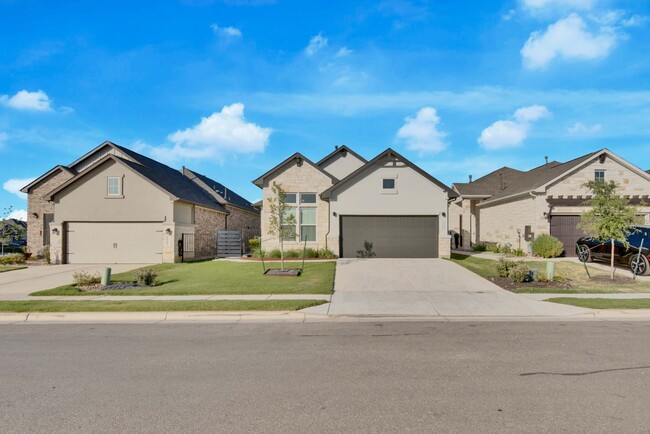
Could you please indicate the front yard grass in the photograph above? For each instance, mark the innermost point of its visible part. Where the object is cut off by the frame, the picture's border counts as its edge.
(4, 268)
(155, 305)
(604, 303)
(575, 277)
(220, 277)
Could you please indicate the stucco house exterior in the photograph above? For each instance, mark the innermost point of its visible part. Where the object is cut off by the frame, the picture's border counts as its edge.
(114, 205)
(348, 204)
(509, 206)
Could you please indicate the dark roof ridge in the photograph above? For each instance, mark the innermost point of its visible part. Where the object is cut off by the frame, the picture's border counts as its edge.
(338, 150)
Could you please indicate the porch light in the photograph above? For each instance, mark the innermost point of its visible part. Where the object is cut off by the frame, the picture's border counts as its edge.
(55, 231)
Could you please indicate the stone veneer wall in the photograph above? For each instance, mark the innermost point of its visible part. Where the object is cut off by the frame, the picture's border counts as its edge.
(499, 223)
(207, 222)
(298, 179)
(36, 203)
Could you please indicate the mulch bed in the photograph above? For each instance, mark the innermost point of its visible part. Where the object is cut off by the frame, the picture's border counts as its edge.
(109, 287)
(507, 283)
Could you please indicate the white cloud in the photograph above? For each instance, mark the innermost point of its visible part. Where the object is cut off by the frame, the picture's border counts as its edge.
(573, 4)
(226, 32)
(343, 52)
(421, 132)
(316, 44)
(581, 129)
(568, 38)
(13, 186)
(531, 113)
(25, 100)
(224, 132)
(19, 214)
(510, 134)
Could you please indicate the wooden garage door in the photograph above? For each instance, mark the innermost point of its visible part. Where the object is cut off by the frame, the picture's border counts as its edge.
(113, 243)
(565, 228)
(390, 236)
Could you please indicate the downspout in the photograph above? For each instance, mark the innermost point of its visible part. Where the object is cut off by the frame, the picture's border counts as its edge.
(328, 224)
(534, 227)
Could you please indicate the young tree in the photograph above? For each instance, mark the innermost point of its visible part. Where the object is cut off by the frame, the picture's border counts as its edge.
(611, 217)
(282, 218)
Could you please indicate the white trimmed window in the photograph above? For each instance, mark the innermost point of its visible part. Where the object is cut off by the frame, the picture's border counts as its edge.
(599, 175)
(114, 186)
(304, 215)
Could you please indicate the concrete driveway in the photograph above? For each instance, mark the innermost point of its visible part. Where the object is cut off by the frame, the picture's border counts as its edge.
(428, 287)
(18, 284)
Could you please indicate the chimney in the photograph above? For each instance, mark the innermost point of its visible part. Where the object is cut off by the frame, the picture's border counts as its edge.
(336, 146)
(470, 178)
(546, 159)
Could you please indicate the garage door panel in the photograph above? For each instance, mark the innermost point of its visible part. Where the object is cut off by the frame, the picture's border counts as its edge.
(92, 243)
(565, 228)
(390, 236)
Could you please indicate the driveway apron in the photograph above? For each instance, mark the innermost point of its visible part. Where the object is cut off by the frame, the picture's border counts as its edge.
(428, 287)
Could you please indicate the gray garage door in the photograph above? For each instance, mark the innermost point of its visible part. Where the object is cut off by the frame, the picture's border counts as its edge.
(565, 228)
(113, 243)
(390, 236)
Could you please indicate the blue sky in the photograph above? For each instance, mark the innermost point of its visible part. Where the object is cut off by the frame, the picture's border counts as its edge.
(230, 88)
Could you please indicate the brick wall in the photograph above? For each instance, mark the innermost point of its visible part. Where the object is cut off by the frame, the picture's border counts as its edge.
(37, 204)
(205, 233)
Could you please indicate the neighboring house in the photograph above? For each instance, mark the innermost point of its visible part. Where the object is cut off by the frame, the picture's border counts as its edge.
(345, 203)
(510, 206)
(114, 205)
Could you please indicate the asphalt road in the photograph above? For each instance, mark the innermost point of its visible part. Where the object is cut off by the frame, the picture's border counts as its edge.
(335, 377)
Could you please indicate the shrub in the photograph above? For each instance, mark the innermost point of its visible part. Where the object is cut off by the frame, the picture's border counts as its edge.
(145, 277)
(325, 254)
(479, 247)
(518, 252)
(46, 253)
(505, 248)
(84, 278)
(275, 253)
(254, 243)
(519, 272)
(292, 254)
(547, 246)
(493, 248)
(17, 258)
(503, 267)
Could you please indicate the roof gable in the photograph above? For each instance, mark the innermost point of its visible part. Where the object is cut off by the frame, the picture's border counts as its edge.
(300, 159)
(340, 150)
(169, 180)
(53, 171)
(388, 153)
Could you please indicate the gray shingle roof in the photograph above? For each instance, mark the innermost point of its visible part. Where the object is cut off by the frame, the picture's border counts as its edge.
(230, 196)
(170, 180)
(515, 181)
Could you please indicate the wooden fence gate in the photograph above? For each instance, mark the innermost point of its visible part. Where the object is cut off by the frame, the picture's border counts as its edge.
(229, 243)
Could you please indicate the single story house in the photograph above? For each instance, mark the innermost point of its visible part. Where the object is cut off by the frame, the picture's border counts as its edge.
(385, 207)
(114, 205)
(510, 206)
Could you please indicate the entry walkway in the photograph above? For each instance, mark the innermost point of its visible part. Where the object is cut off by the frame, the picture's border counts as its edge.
(428, 287)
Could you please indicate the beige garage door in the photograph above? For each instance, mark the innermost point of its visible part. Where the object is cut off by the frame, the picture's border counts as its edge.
(113, 243)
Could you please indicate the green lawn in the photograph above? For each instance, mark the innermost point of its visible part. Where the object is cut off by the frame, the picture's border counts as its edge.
(4, 268)
(574, 273)
(604, 303)
(155, 305)
(221, 277)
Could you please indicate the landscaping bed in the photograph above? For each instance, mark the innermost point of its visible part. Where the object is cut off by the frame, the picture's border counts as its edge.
(219, 277)
(571, 278)
(155, 305)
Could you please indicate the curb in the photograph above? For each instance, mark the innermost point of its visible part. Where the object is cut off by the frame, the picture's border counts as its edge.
(288, 317)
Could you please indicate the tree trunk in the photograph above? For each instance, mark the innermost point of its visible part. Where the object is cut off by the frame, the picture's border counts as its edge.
(612, 260)
(281, 253)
